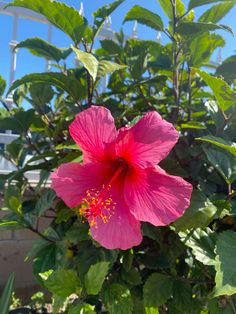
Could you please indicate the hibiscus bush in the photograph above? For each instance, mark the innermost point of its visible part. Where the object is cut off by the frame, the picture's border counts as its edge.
(137, 180)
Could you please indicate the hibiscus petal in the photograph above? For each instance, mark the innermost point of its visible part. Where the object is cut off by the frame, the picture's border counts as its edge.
(71, 181)
(122, 231)
(148, 141)
(92, 129)
(156, 197)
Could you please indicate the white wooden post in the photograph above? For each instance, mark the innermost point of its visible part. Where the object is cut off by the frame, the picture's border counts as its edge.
(135, 30)
(49, 39)
(159, 37)
(12, 45)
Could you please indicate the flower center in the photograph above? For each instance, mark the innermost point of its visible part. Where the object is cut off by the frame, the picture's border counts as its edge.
(99, 203)
(96, 204)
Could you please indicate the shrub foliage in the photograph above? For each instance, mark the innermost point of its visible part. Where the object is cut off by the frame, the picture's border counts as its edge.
(188, 267)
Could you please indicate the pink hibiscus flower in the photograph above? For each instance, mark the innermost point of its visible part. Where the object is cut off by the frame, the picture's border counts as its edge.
(119, 183)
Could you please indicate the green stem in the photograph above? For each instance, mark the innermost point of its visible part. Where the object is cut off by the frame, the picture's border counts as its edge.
(40, 234)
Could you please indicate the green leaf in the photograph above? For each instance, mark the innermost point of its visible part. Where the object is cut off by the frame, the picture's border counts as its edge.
(194, 28)
(2, 85)
(167, 8)
(117, 299)
(107, 67)
(157, 290)
(197, 3)
(225, 264)
(128, 257)
(88, 254)
(144, 16)
(183, 300)
(199, 214)
(75, 156)
(6, 297)
(57, 303)
(221, 90)
(75, 87)
(193, 125)
(88, 60)
(216, 307)
(151, 232)
(202, 242)
(219, 142)
(138, 306)
(228, 68)
(215, 113)
(41, 48)
(102, 13)
(9, 224)
(132, 276)
(189, 17)
(41, 94)
(62, 282)
(216, 12)
(13, 199)
(64, 214)
(95, 277)
(223, 162)
(44, 202)
(67, 146)
(14, 148)
(139, 65)
(111, 46)
(202, 46)
(77, 232)
(59, 14)
(82, 308)
(151, 310)
(20, 122)
(45, 257)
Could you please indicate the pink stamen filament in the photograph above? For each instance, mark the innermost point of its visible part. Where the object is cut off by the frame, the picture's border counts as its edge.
(95, 204)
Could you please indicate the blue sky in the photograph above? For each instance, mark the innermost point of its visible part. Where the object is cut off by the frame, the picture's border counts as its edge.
(27, 63)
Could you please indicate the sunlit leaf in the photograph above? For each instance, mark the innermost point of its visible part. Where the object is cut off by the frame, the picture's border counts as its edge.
(220, 142)
(2, 85)
(62, 282)
(216, 12)
(107, 67)
(59, 14)
(41, 48)
(102, 13)
(224, 95)
(157, 283)
(194, 28)
(193, 125)
(199, 214)
(228, 68)
(225, 267)
(202, 242)
(196, 3)
(167, 8)
(68, 83)
(88, 61)
(95, 277)
(145, 17)
(223, 162)
(117, 299)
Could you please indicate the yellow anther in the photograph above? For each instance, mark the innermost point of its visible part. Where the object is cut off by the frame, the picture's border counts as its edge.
(95, 205)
